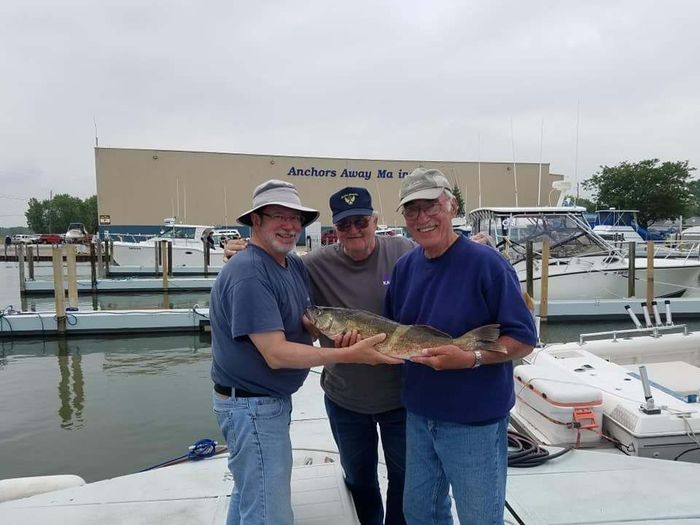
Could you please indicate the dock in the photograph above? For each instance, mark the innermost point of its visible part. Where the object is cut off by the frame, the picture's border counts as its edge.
(196, 319)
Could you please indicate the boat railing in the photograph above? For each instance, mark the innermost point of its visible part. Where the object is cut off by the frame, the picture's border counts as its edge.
(654, 331)
(130, 237)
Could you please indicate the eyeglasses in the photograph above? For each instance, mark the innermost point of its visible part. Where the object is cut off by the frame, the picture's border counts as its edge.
(359, 222)
(412, 211)
(294, 219)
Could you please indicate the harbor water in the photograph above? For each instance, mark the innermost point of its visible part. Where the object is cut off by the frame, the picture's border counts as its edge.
(102, 407)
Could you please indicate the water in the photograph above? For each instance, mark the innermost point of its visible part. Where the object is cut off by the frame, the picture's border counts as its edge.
(103, 407)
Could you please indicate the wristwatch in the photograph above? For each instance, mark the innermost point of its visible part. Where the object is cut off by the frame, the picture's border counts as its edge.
(477, 358)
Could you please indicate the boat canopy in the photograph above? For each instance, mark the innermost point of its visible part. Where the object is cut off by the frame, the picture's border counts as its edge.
(564, 228)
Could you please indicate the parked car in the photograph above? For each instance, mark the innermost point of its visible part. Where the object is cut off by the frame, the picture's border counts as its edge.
(50, 238)
(24, 238)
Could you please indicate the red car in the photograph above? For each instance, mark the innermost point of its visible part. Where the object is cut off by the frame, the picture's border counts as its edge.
(50, 238)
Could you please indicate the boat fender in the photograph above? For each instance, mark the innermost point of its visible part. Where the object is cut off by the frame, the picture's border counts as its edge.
(17, 488)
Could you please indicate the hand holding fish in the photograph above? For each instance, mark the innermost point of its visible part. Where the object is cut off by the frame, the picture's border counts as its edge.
(363, 352)
(446, 357)
(347, 338)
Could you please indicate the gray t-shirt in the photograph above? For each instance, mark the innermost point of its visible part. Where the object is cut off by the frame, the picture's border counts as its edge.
(337, 280)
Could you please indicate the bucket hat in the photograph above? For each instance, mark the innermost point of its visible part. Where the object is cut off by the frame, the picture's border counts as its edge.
(281, 193)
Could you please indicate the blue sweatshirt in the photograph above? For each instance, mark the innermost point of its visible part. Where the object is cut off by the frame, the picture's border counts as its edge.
(468, 286)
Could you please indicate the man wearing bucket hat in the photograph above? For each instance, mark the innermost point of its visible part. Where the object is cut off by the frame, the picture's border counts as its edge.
(360, 399)
(457, 402)
(262, 354)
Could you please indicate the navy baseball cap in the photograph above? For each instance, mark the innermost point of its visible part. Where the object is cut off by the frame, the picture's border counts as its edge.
(350, 201)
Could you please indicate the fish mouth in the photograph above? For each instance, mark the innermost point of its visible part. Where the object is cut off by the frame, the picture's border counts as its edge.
(312, 313)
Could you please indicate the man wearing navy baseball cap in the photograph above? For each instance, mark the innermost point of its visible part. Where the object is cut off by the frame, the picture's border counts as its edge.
(354, 273)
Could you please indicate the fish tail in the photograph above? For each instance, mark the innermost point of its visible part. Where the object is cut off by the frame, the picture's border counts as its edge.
(482, 338)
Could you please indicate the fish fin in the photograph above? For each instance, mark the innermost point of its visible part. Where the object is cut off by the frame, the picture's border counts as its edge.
(482, 338)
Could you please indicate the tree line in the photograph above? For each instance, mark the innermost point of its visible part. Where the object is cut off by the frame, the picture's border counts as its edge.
(55, 214)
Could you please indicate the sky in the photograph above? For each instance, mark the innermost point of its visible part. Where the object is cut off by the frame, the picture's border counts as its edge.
(574, 84)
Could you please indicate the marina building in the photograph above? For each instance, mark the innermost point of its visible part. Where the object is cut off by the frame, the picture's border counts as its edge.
(137, 189)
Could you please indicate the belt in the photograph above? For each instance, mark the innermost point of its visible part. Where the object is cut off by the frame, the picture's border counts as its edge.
(239, 392)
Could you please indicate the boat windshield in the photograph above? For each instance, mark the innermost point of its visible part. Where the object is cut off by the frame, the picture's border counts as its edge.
(178, 232)
(567, 234)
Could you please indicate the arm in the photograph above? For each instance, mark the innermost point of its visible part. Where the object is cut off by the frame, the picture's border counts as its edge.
(280, 353)
(450, 357)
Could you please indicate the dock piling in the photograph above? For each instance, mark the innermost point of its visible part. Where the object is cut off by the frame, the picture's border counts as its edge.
(650, 272)
(59, 292)
(93, 263)
(529, 269)
(30, 261)
(19, 250)
(544, 278)
(631, 270)
(72, 275)
(165, 252)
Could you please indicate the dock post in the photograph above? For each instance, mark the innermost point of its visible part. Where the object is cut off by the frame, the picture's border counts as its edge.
(170, 258)
(544, 278)
(19, 249)
(631, 268)
(109, 246)
(100, 262)
(59, 292)
(166, 260)
(93, 269)
(529, 262)
(650, 272)
(72, 276)
(30, 261)
(207, 255)
(157, 257)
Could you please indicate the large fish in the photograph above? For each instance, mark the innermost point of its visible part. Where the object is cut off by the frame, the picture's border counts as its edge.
(402, 341)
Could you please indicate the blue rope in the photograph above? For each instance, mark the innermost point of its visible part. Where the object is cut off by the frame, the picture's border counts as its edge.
(204, 448)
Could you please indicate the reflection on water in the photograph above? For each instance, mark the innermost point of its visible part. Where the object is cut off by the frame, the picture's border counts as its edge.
(71, 387)
(102, 407)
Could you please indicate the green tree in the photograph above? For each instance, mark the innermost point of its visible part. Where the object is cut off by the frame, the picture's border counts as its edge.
(54, 215)
(695, 194)
(586, 203)
(658, 191)
(460, 200)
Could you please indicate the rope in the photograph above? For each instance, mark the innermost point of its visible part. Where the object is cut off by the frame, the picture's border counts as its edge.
(525, 453)
(204, 448)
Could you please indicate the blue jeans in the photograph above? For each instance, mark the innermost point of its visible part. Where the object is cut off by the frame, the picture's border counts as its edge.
(256, 430)
(472, 459)
(356, 437)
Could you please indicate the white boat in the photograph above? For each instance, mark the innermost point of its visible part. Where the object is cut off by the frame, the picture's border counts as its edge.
(391, 231)
(582, 265)
(187, 247)
(76, 233)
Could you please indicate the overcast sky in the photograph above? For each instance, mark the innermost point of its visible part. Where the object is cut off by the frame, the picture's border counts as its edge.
(426, 80)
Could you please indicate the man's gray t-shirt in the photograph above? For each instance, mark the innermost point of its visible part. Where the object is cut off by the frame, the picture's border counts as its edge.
(253, 294)
(337, 280)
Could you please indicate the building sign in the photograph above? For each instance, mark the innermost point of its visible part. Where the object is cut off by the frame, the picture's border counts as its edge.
(105, 219)
(346, 173)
